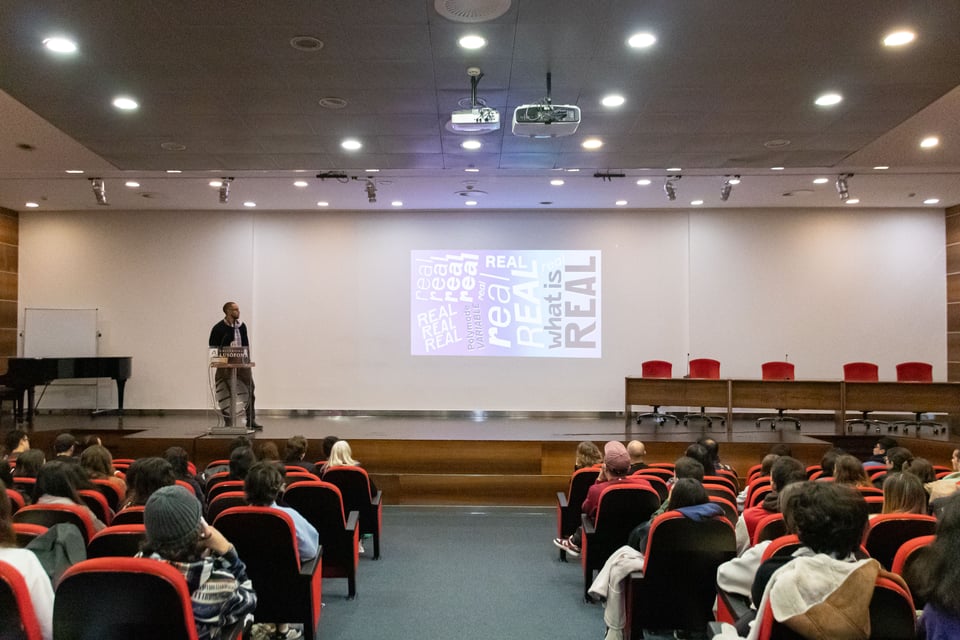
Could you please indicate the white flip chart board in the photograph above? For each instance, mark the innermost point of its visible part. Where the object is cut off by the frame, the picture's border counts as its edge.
(59, 333)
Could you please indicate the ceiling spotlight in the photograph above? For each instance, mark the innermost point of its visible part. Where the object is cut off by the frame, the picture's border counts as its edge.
(842, 187)
(99, 190)
(728, 183)
(670, 187)
(225, 189)
(371, 192)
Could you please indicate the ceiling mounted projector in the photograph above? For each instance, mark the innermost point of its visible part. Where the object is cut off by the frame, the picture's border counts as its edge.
(479, 118)
(545, 119)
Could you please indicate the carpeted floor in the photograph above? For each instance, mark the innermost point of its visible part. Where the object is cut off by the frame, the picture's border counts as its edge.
(469, 573)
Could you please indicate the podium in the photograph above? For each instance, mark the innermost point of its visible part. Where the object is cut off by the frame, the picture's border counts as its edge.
(235, 429)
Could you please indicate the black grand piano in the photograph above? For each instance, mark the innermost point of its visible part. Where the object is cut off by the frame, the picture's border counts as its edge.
(23, 374)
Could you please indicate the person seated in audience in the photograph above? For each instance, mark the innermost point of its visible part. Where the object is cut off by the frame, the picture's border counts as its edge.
(847, 470)
(269, 451)
(879, 456)
(702, 455)
(616, 463)
(713, 448)
(903, 493)
(945, 487)
(326, 446)
(64, 447)
(27, 565)
(179, 461)
(828, 461)
(28, 466)
(765, 465)
(57, 483)
(684, 467)
(922, 468)
(17, 441)
(220, 591)
(295, 453)
(588, 455)
(785, 471)
(939, 577)
(98, 464)
(144, 476)
(896, 458)
(637, 452)
(236, 443)
(85, 442)
(241, 459)
(687, 497)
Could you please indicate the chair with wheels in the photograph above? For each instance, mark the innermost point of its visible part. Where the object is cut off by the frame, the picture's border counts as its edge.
(862, 372)
(355, 488)
(568, 504)
(706, 369)
(778, 370)
(657, 369)
(18, 619)
(919, 372)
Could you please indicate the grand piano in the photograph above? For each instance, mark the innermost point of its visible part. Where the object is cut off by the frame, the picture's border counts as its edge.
(23, 374)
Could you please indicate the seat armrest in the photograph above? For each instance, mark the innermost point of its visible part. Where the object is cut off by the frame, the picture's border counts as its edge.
(562, 499)
(352, 520)
(736, 604)
(714, 628)
(309, 568)
(588, 526)
(375, 500)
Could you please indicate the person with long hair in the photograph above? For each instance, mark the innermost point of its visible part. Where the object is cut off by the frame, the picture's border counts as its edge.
(28, 566)
(58, 483)
(847, 470)
(98, 463)
(588, 455)
(145, 476)
(903, 493)
(940, 585)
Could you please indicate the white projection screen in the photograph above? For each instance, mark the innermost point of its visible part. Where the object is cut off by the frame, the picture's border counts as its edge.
(522, 303)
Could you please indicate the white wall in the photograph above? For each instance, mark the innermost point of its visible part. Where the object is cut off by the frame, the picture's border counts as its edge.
(326, 296)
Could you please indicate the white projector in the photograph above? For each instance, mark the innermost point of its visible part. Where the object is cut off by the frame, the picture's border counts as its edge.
(476, 120)
(545, 121)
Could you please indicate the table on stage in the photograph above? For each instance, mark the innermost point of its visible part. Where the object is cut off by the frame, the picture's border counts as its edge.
(796, 395)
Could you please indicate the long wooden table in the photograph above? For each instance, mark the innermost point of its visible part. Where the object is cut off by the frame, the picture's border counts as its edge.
(797, 395)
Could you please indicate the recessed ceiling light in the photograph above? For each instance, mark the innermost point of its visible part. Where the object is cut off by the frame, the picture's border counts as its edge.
(642, 40)
(250, 203)
(174, 171)
(853, 201)
(881, 167)
(734, 180)
(74, 170)
(932, 201)
(59, 44)
(620, 203)
(674, 169)
(776, 168)
(301, 183)
(821, 180)
(472, 170)
(215, 183)
(828, 100)
(643, 182)
(351, 145)
(776, 143)
(372, 170)
(125, 103)
(397, 203)
(612, 100)
(323, 203)
(133, 184)
(930, 142)
(591, 143)
(696, 203)
(470, 203)
(571, 170)
(173, 146)
(472, 42)
(34, 205)
(899, 38)
(557, 182)
(471, 145)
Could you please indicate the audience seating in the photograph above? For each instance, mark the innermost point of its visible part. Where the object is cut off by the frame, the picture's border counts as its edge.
(97, 503)
(16, 500)
(722, 478)
(862, 372)
(757, 495)
(121, 540)
(657, 369)
(322, 505)
(214, 480)
(887, 532)
(223, 501)
(754, 472)
(27, 531)
(299, 476)
(813, 470)
(223, 487)
(866, 492)
(671, 466)
(568, 505)
(18, 620)
(769, 527)
(729, 508)
(659, 485)
(123, 598)
(48, 515)
(919, 372)
(720, 490)
(622, 507)
(354, 485)
(732, 474)
(906, 555)
(705, 368)
(122, 464)
(288, 590)
(777, 370)
(752, 486)
(130, 515)
(24, 484)
(664, 474)
(189, 487)
(676, 589)
(874, 504)
(110, 491)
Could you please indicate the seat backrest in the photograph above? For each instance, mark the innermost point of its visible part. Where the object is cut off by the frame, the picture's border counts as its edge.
(777, 370)
(664, 474)
(17, 616)
(223, 487)
(121, 540)
(97, 502)
(622, 507)
(754, 471)
(110, 491)
(887, 532)
(903, 564)
(781, 545)
(147, 599)
(354, 485)
(758, 494)
(720, 490)
(861, 372)
(656, 369)
(27, 531)
(266, 540)
(130, 515)
(729, 508)
(51, 514)
(659, 484)
(705, 368)
(769, 528)
(223, 501)
(874, 504)
(724, 480)
(189, 487)
(580, 482)
(16, 500)
(914, 372)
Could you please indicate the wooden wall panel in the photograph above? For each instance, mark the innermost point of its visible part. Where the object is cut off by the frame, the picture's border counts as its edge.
(952, 241)
(953, 316)
(9, 227)
(953, 258)
(953, 227)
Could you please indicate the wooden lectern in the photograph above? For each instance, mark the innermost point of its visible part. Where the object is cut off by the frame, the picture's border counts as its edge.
(235, 429)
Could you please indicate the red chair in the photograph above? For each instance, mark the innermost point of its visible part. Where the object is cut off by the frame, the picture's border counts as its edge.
(287, 589)
(568, 504)
(223, 487)
(215, 479)
(708, 369)
(97, 502)
(322, 506)
(110, 491)
(354, 485)
(862, 372)
(754, 484)
(781, 545)
(300, 476)
(17, 616)
(725, 480)
(122, 464)
(130, 515)
(720, 491)
(920, 372)
(664, 474)
(903, 564)
(887, 532)
(754, 471)
(223, 501)
(189, 487)
(760, 492)
(662, 465)
(777, 370)
(874, 504)
(658, 484)
(117, 541)
(657, 369)
(16, 500)
(48, 515)
(729, 508)
(25, 532)
(769, 527)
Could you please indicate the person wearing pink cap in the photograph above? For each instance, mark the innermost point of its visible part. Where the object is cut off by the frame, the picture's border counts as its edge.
(616, 465)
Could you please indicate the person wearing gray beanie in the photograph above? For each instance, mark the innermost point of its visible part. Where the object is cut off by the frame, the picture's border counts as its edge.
(220, 591)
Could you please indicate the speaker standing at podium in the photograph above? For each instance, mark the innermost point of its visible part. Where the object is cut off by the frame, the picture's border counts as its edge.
(231, 332)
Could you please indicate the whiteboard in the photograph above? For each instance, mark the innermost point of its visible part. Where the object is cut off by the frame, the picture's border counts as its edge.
(59, 333)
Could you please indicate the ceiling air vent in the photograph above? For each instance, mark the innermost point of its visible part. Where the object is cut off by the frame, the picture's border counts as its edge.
(471, 10)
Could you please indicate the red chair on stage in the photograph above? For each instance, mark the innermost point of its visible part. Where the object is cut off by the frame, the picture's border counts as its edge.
(657, 369)
(920, 372)
(706, 369)
(777, 370)
(862, 372)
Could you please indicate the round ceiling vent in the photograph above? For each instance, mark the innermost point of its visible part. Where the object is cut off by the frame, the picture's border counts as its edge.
(471, 10)
(331, 102)
(471, 193)
(173, 146)
(306, 43)
(777, 143)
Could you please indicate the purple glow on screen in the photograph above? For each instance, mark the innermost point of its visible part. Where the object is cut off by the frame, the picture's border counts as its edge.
(505, 303)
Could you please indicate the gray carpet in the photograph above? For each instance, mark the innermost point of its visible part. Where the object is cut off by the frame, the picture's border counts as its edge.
(460, 572)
